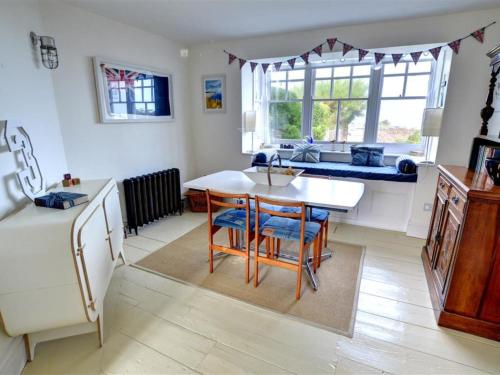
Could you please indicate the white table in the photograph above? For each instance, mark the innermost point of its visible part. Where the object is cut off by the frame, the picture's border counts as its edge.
(314, 192)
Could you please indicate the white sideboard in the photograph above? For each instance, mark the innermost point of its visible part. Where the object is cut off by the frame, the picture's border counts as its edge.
(56, 265)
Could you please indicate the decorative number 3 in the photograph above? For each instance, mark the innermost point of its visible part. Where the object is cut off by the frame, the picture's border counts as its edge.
(30, 177)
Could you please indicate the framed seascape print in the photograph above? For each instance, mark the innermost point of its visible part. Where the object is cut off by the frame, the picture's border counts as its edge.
(214, 93)
(130, 93)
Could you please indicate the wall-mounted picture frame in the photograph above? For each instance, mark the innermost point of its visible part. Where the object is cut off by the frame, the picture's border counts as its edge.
(131, 93)
(214, 93)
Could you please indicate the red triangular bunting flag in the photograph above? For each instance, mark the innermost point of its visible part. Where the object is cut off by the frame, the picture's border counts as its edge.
(291, 62)
(264, 67)
(331, 42)
(277, 65)
(378, 57)
(396, 57)
(479, 35)
(242, 62)
(253, 65)
(305, 57)
(346, 48)
(318, 50)
(231, 58)
(455, 45)
(435, 52)
(362, 53)
(415, 56)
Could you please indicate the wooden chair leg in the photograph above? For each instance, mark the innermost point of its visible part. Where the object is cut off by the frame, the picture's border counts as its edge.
(271, 250)
(256, 262)
(299, 273)
(268, 246)
(211, 257)
(324, 239)
(278, 246)
(316, 246)
(231, 237)
(247, 260)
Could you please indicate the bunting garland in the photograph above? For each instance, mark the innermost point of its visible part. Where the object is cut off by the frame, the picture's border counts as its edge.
(455, 45)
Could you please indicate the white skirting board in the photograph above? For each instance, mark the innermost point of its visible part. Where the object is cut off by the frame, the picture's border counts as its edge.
(15, 357)
(384, 205)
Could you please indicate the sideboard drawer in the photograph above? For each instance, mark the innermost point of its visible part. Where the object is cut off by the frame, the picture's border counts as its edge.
(443, 186)
(457, 201)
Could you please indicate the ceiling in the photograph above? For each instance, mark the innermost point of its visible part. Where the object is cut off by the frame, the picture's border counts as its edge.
(199, 21)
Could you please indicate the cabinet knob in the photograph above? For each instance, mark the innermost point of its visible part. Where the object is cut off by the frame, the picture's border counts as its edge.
(455, 199)
(441, 185)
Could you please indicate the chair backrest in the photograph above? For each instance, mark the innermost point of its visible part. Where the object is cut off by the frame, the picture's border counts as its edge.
(213, 201)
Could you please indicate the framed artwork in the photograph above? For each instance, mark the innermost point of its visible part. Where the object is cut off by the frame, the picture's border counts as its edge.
(130, 93)
(214, 93)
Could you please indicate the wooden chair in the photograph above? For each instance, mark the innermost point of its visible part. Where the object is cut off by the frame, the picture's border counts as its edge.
(284, 226)
(239, 218)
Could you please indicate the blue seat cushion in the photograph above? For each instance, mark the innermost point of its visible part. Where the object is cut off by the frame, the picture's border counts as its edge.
(237, 219)
(289, 229)
(317, 214)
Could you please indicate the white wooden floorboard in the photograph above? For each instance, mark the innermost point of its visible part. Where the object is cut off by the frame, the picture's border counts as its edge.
(157, 325)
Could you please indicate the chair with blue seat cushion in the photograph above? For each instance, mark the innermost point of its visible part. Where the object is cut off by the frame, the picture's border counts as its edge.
(284, 226)
(239, 218)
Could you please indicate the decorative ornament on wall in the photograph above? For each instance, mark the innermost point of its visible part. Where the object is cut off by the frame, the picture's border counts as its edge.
(362, 53)
(30, 177)
(48, 50)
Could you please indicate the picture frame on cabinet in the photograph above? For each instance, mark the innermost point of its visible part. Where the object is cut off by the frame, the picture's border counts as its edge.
(214, 93)
(131, 93)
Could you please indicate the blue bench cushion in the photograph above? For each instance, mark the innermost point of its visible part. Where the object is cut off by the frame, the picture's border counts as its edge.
(289, 229)
(317, 214)
(339, 169)
(237, 219)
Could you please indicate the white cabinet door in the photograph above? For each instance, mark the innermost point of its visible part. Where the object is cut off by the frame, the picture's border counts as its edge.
(94, 255)
(114, 222)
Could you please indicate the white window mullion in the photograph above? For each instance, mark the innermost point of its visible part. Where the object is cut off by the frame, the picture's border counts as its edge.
(373, 106)
(307, 106)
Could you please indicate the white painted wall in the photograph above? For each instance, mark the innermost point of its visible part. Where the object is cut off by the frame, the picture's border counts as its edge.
(27, 95)
(94, 150)
(218, 140)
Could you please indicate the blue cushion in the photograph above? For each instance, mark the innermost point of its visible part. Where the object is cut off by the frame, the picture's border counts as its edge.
(360, 158)
(306, 152)
(237, 219)
(289, 229)
(340, 169)
(260, 158)
(373, 154)
(376, 159)
(317, 214)
(406, 165)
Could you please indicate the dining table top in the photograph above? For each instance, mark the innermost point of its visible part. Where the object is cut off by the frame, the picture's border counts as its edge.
(313, 191)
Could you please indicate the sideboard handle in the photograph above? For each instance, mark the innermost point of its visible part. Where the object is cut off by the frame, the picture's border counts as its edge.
(455, 200)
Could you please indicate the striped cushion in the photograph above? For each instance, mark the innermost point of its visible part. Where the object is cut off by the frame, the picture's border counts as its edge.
(289, 229)
(237, 219)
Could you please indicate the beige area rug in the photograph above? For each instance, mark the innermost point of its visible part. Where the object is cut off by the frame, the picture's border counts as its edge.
(332, 307)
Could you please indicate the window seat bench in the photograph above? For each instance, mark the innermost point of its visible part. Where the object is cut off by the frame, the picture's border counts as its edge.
(347, 170)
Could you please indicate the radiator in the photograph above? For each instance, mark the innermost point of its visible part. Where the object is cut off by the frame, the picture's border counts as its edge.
(151, 197)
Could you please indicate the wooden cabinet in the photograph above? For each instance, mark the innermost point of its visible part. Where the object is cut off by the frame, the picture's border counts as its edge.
(56, 265)
(462, 253)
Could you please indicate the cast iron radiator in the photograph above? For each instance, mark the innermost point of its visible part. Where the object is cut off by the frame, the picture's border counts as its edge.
(151, 197)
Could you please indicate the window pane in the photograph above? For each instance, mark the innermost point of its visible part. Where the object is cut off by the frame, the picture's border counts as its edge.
(123, 95)
(151, 108)
(285, 120)
(341, 88)
(148, 97)
(360, 87)
(420, 67)
(278, 76)
(296, 74)
(296, 90)
(352, 120)
(140, 108)
(389, 68)
(122, 84)
(324, 73)
(392, 87)
(148, 82)
(417, 85)
(138, 95)
(324, 122)
(361, 70)
(278, 90)
(138, 83)
(322, 89)
(400, 121)
(342, 71)
(115, 95)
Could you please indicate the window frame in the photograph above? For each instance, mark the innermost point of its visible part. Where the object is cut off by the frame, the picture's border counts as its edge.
(374, 99)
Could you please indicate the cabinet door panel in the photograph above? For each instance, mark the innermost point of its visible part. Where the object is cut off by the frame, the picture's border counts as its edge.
(114, 223)
(94, 256)
(435, 232)
(446, 251)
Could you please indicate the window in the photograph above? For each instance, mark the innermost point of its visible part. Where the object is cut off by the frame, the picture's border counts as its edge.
(286, 104)
(340, 99)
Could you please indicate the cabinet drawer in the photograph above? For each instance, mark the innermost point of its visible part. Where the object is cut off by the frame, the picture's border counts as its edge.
(457, 201)
(443, 186)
